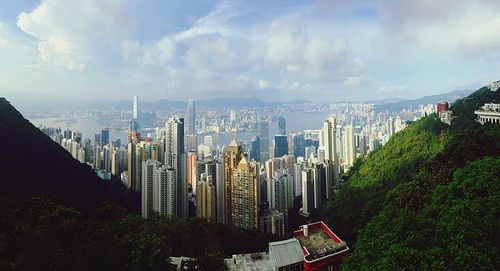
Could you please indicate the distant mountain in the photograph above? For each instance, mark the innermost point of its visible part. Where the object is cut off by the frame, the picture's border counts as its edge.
(237, 102)
(383, 105)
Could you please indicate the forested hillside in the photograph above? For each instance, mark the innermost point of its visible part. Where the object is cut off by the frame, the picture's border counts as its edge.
(428, 199)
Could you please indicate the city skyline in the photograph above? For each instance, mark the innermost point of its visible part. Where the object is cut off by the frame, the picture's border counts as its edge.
(328, 50)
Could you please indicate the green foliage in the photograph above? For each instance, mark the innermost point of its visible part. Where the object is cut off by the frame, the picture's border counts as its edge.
(456, 230)
(429, 207)
(372, 177)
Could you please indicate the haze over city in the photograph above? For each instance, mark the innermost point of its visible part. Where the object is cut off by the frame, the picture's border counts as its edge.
(276, 50)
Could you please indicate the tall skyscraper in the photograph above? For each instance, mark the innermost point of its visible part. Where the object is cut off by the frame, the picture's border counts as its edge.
(147, 189)
(307, 191)
(349, 147)
(206, 200)
(299, 145)
(281, 125)
(244, 196)
(220, 198)
(232, 156)
(192, 171)
(255, 149)
(164, 193)
(135, 113)
(264, 141)
(280, 145)
(175, 158)
(104, 137)
(191, 117)
(330, 144)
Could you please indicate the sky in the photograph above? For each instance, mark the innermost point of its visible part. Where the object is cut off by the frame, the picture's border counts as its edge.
(277, 50)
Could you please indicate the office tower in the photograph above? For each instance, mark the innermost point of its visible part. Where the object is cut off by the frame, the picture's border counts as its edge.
(330, 144)
(297, 179)
(104, 137)
(281, 187)
(175, 158)
(244, 198)
(307, 191)
(299, 145)
(191, 171)
(191, 143)
(255, 148)
(319, 184)
(233, 119)
(211, 169)
(191, 118)
(232, 156)
(219, 187)
(349, 147)
(98, 139)
(281, 125)
(77, 137)
(135, 113)
(390, 127)
(206, 200)
(280, 145)
(147, 189)
(264, 141)
(107, 152)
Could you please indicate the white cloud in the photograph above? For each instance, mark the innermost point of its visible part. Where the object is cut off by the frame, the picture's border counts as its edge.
(460, 27)
(157, 53)
(71, 33)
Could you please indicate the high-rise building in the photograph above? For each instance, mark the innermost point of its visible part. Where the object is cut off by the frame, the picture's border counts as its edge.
(307, 191)
(281, 125)
(98, 139)
(299, 145)
(264, 141)
(191, 118)
(244, 196)
(255, 149)
(192, 171)
(191, 143)
(280, 145)
(232, 156)
(165, 191)
(175, 158)
(330, 144)
(219, 187)
(206, 199)
(135, 113)
(147, 189)
(349, 147)
(104, 137)
(297, 179)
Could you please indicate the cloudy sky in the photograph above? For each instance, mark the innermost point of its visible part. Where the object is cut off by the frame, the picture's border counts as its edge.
(327, 50)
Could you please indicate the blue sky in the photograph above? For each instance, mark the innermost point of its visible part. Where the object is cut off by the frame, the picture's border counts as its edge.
(276, 50)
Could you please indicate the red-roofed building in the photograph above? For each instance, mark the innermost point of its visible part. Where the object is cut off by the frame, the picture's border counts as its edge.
(323, 250)
(442, 107)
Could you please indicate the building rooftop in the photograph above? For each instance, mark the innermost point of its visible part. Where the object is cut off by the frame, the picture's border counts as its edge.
(251, 262)
(286, 252)
(319, 241)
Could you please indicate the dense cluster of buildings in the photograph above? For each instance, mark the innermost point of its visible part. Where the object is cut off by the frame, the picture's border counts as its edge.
(250, 185)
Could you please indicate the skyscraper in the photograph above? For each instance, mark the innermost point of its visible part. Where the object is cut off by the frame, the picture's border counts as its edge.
(330, 144)
(191, 118)
(264, 141)
(135, 113)
(191, 171)
(281, 125)
(147, 189)
(255, 149)
(175, 158)
(219, 187)
(280, 145)
(206, 200)
(165, 188)
(307, 191)
(299, 145)
(232, 156)
(349, 147)
(244, 197)
(104, 137)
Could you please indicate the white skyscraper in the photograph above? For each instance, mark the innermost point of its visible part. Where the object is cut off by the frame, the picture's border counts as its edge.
(191, 117)
(135, 113)
(175, 158)
(349, 147)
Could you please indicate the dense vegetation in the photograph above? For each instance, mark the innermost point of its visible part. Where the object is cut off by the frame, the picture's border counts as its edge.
(429, 199)
(55, 214)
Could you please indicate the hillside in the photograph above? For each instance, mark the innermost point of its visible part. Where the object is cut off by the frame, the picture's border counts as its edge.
(428, 199)
(55, 214)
